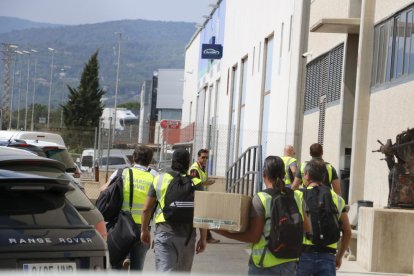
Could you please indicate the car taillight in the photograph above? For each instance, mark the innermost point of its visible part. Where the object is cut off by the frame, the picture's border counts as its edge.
(101, 228)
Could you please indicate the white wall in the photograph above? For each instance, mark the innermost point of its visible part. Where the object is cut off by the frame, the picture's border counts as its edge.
(247, 25)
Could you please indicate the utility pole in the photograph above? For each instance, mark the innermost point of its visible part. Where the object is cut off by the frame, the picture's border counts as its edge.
(34, 92)
(12, 89)
(7, 58)
(27, 88)
(50, 87)
(116, 83)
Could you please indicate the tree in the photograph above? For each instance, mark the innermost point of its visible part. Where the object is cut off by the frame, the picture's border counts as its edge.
(84, 107)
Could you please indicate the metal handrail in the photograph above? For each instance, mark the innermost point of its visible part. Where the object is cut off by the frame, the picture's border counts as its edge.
(244, 176)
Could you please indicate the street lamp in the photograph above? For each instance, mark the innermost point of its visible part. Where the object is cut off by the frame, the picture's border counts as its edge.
(19, 94)
(50, 87)
(62, 75)
(34, 91)
(117, 81)
(27, 87)
(12, 90)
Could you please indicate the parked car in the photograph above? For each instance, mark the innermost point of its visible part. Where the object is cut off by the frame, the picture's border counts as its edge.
(41, 231)
(32, 135)
(24, 161)
(50, 150)
(115, 162)
(21, 144)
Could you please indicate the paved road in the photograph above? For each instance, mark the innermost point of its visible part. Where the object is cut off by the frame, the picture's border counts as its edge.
(230, 257)
(227, 257)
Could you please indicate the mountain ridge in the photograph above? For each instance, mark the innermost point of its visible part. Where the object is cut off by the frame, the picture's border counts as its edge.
(145, 47)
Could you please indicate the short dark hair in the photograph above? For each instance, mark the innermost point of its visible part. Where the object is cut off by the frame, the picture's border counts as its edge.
(180, 160)
(274, 168)
(143, 155)
(201, 152)
(316, 150)
(316, 170)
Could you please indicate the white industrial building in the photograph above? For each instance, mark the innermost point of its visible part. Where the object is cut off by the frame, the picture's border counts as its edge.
(300, 72)
(337, 72)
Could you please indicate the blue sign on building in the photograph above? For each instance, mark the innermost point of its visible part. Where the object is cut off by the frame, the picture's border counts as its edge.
(211, 51)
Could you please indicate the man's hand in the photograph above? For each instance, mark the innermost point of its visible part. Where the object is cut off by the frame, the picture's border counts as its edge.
(146, 237)
(209, 182)
(338, 262)
(201, 245)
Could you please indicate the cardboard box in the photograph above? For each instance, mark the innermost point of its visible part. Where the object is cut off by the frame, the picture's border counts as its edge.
(224, 211)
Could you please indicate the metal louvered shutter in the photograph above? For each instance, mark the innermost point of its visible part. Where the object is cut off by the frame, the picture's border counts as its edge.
(336, 57)
(321, 128)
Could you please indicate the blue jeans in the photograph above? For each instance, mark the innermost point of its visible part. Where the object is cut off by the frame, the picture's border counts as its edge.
(288, 269)
(137, 257)
(314, 263)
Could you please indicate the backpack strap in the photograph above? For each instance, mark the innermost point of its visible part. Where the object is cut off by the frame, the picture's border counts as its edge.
(131, 189)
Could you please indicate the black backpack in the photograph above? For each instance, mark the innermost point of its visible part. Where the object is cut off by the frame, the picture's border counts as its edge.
(179, 200)
(323, 216)
(286, 232)
(109, 202)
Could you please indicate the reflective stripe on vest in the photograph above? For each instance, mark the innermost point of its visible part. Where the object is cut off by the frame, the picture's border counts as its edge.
(201, 173)
(339, 203)
(288, 161)
(302, 172)
(257, 249)
(142, 181)
(161, 183)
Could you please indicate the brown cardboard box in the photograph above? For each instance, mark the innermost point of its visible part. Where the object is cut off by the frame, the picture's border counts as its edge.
(224, 211)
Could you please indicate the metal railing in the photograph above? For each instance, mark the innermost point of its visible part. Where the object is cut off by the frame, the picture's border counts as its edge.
(245, 175)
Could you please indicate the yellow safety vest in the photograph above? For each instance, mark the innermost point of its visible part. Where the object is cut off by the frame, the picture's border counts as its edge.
(269, 259)
(161, 183)
(339, 203)
(142, 181)
(201, 173)
(302, 172)
(288, 161)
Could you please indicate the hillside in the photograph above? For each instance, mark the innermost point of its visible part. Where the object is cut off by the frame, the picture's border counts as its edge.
(9, 24)
(145, 47)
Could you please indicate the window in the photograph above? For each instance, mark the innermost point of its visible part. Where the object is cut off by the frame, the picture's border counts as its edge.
(393, 55)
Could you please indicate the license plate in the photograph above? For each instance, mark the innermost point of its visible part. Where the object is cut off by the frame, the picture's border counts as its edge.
(49, 267)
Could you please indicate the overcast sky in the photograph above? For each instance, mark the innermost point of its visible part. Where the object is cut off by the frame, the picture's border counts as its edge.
(73, 12)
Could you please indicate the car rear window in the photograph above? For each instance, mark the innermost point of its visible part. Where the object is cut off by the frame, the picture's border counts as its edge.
(79, 199)
(61, 155)
(86, 161)
(37, 209)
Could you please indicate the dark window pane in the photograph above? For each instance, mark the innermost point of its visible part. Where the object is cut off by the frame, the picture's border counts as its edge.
(390, 26)
(407, 38)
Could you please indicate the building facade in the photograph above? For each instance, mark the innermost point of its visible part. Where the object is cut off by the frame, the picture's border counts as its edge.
(250, 96)
(299, 72)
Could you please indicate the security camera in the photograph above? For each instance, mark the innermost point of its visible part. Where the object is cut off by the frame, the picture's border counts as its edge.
(305, 54)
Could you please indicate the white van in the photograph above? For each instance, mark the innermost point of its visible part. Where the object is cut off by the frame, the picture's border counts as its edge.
(86, 160)
(32, 135)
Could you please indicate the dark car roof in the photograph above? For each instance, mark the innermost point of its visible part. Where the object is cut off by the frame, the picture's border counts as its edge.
(17, 156)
